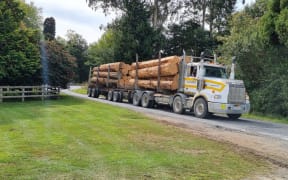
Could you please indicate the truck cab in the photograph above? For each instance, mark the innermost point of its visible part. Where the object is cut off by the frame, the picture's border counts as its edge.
(213, 91)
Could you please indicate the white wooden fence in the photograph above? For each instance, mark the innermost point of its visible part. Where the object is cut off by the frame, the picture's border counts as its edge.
(22, 92)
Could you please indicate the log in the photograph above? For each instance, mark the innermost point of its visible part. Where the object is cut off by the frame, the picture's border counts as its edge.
(152, 84)
(166, 78)
(103, 81)
(113, 75)
(167, 69)
(113, 66)
(166, 85)
(95, 69)
(154, 62)
(142, 83)
(125, 69)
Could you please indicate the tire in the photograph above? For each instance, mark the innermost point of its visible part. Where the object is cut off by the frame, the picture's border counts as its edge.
(95, 93)
(116, 96)
(201, 108)
(136, 99)
(130, 98)
(178, 105)
(110, 96)
(145, 101)
(234, 116)
(89, 92)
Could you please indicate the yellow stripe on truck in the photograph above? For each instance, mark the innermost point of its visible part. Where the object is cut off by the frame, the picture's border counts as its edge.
(220, 85)
(220, 89)
(190, 86)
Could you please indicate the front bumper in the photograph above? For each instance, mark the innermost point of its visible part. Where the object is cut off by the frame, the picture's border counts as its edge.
(228, 108)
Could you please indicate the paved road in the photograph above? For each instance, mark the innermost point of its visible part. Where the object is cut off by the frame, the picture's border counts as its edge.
(253, 127)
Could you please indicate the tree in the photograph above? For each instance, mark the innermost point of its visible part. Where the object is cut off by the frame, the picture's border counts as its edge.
(214, 13)
(33, 18)
(103, 51)
(262, 56)
(132, 34)
(49, 29)
(188, 35)
(159, 9)
(77, 46)
(19, 49)
(61, 64)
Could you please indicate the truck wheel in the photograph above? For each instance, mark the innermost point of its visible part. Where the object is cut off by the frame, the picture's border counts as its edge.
(136, 99)
(130, 97)
(89, 92)
(234, 116)
(116, 96)
(110, 96)
(145, 101)
(178, 105)
(201, 108)
(96, 93)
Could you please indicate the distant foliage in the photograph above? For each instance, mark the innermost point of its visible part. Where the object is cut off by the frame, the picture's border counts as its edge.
(49, 30)
(262, 51)
(61, 64)
(130, 34)
(104, 50)
(19, 47)
(33, 18)
(187, 36)
(77, 46)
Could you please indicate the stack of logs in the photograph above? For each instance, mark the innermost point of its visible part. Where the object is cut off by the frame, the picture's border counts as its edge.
(124, 76)
(111, 75)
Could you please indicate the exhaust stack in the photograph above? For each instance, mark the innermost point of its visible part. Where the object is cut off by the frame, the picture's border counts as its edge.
(232, 74)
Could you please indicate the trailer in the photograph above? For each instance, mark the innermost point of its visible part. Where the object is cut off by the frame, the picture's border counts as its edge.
(200, 85)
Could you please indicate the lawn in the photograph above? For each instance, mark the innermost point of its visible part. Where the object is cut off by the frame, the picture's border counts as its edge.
(71, 138)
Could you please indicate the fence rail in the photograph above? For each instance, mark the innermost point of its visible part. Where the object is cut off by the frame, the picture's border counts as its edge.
(22, 92)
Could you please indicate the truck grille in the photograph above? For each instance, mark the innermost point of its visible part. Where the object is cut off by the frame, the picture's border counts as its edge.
(237, 93)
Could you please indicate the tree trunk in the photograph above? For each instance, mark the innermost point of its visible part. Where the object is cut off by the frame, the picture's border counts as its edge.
(155, 14)
(203, 13)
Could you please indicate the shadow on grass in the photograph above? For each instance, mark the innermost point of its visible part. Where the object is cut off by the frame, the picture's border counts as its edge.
(31, 109)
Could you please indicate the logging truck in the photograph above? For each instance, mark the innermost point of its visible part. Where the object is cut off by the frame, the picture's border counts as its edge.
(196, 84)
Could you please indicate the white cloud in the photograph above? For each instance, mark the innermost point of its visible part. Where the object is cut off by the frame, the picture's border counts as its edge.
(240, 6)
(75, 15)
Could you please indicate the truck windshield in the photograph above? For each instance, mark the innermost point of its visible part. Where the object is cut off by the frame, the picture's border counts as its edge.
(216, 72)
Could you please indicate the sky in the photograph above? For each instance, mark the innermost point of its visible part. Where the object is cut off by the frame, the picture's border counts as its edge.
(76, 15)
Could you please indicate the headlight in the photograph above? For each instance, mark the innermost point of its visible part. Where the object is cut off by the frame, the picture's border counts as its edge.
(217, 97)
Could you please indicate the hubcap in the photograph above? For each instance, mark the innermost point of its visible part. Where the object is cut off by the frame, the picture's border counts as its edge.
(177, 105)
(200, 109)
(145, 99)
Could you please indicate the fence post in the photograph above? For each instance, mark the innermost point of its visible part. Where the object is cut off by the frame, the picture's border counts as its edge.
(23, 94)
(42, 89)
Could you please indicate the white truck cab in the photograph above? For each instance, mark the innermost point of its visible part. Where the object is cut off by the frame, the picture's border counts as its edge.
(213, 91)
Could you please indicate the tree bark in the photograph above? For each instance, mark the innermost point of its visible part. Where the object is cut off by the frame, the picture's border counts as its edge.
(203, 13)
(154, 62)
(167, 69)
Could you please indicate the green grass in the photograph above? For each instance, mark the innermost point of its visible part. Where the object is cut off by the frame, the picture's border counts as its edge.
(77, 139)
(82, 90)
(268, 118)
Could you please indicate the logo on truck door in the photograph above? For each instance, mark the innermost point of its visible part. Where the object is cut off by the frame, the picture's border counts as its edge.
(191, 82)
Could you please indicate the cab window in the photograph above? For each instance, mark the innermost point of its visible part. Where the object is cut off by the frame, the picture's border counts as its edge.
(215, 72)
(193, 71)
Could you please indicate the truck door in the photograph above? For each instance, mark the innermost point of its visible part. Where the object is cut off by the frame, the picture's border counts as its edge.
(190, 80)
